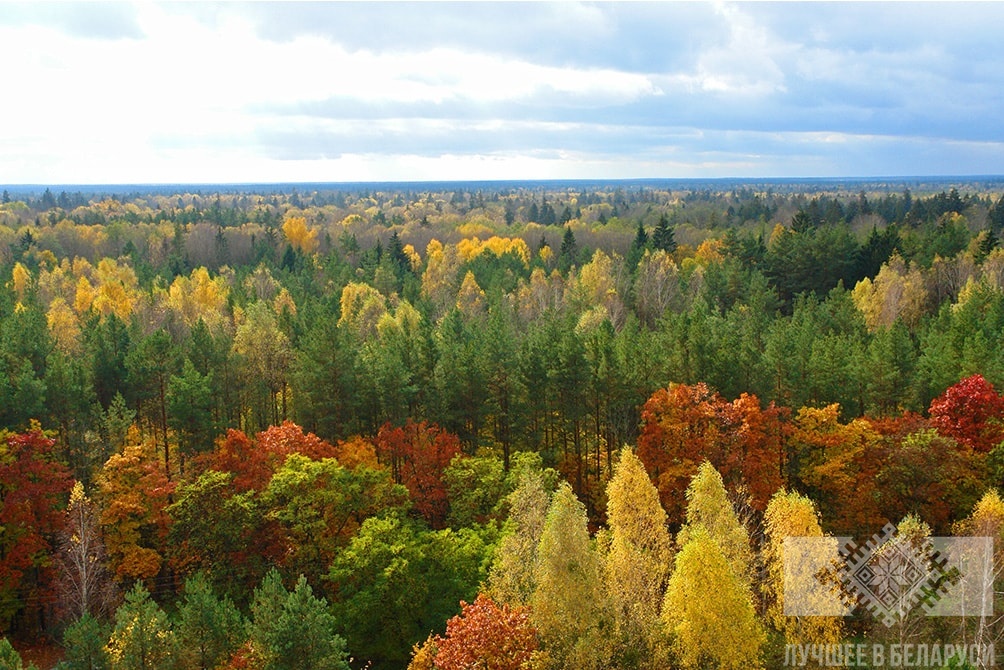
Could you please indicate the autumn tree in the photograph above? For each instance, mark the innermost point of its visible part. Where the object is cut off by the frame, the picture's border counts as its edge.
(319, 505)
(706, 604)
(709, 507)
(135, 492)
(682, 426)
(84, 579)
(638, 560)
(972, 412)
(512, 579)
(568, 604)
(221, 532)
(32, 486)
(792, 515)
(487, 635)
(986, 521)
(264, 353)
(417, 454)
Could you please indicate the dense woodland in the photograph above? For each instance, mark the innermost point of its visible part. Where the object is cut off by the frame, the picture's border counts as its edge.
(526, 425)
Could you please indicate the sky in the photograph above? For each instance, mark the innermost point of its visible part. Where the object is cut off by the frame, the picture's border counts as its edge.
(112, 93)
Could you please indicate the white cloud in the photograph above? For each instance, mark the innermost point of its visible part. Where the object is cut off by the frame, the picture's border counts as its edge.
(181, 92)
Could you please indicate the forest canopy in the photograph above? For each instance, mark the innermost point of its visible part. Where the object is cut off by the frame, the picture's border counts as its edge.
(355, 405)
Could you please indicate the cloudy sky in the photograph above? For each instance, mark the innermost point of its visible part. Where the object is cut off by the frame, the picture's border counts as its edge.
(262, 92)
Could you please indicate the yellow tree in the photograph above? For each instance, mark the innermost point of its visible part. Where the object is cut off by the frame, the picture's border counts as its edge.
(362, 306)
(266, 354)
(568, 606)
(709, 610)
(471, 298)
(708, 507)
(512, 577)
(898, 292)
(64, 327)
(299, 235)
(792, 515)
(638, 560)
(986, 521)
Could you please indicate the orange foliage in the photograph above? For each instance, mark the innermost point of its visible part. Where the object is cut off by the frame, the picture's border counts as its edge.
(357, 451)
(135, 491)
(682, 426)
(485, 635)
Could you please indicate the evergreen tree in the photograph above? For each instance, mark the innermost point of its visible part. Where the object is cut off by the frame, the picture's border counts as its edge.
(568, 255)
(84, 645)
(142, 639)
(663, 236)
(209, 629)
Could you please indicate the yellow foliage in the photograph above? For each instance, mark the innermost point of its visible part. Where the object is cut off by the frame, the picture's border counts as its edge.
(470, 248)
(474, 229)
(638, 561)
(414, 260)
(64, 327)
(471, 299)
(897, 292)
(362, 307)
(710, 251)
(792, 515)
(299, 235)
(199, 296)
(84, 296)
(284, 301)
(709, 508)
(443, 263)
(707, 605)
(21, 279)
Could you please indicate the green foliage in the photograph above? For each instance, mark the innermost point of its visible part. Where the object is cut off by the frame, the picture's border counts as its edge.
(294, 629)
(84, 645)
(209, 629)
(143, 638)
(10, 659)
(396, 582)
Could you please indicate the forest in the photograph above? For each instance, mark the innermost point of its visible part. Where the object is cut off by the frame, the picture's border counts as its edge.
(486, 425)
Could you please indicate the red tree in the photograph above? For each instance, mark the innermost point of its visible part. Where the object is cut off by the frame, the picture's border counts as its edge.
(684, 425)
(32, 495)
(253, 462)
(971, 412)
(485, 635)
(417, 454)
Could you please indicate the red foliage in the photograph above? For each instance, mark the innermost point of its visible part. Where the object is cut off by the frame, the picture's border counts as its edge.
(417, 454)
(485, 635)
(289, 438)
(254, 462)
(971, 412)
(898, 426)
(32, 490)
(682, 426)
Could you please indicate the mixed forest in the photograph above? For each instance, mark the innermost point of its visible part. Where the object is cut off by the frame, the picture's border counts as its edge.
(551, 425)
